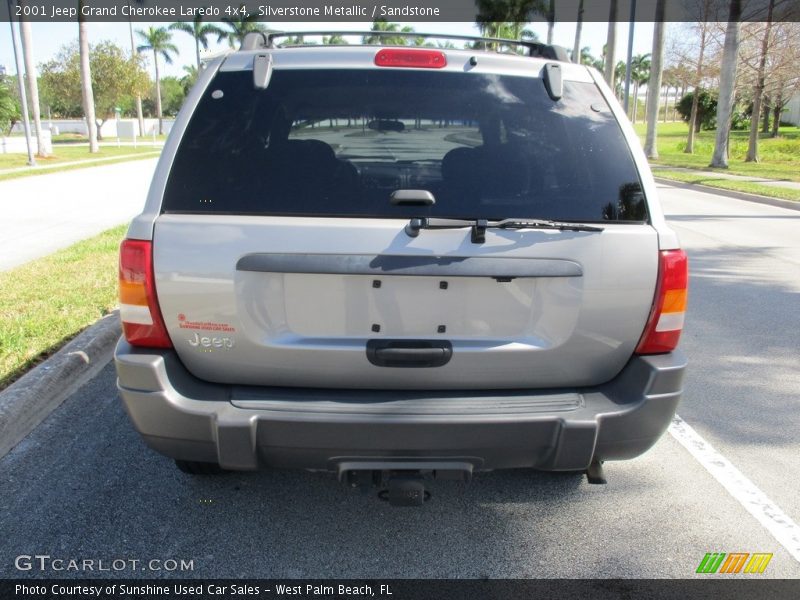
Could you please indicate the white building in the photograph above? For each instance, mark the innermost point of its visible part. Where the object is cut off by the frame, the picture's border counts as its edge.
(791, 112)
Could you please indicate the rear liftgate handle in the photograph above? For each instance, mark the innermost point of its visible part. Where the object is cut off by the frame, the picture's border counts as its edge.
(409, 353)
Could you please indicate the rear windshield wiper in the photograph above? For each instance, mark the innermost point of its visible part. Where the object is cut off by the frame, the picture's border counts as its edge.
(479, 226)
(543, 224)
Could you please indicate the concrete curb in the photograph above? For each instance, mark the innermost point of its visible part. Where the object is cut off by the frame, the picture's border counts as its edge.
(791, 205)
(29, 400)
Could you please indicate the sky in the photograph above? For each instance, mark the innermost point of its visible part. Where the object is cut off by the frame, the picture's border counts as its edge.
(49, 37)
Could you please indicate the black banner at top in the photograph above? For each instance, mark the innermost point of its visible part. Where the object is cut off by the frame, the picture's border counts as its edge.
(281, 11)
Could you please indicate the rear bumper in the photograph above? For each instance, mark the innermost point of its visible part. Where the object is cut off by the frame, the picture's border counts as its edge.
(245, 427)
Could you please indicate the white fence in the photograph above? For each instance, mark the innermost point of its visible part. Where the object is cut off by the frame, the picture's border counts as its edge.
(17, 145)
(109, 129)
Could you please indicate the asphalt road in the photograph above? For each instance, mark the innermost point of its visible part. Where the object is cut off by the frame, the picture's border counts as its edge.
(45, 213)
(84, 486)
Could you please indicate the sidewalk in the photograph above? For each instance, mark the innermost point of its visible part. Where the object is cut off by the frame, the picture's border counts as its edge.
(720, 174)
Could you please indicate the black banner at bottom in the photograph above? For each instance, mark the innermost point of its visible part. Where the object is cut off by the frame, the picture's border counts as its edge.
(398, 589)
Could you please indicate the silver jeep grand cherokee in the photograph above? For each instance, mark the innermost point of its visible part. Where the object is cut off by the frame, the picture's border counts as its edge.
(399, 263)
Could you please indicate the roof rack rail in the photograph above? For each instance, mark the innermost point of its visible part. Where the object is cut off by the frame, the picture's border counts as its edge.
(256, 40)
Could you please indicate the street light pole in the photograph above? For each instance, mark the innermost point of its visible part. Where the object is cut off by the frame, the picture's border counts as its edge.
(22, 95)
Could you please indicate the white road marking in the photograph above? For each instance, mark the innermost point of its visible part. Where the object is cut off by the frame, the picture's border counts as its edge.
(766, 512)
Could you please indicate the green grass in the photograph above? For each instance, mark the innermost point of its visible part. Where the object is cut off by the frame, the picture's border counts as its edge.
(780, 157)
(48, 301)
(62, 154)
(62, 138)
(71, 166)
(72, 138)
(728, 184)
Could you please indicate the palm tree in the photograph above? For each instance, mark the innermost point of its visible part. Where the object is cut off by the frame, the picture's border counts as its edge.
(298, 40)
(619, 78)
(600, 63)
(654, 83)
(139, 114)
(507, 19)
(640, 73)
(644, 77)
(200, 32)
(239, 28)
(87, 94)
(611, 41)
(585, 56)
(26, 36)
(576, 47)
(507, 30)
(727, 81)
(551, 21)
(383, 26)
(334, 40)
(188, 80)
(159, 40)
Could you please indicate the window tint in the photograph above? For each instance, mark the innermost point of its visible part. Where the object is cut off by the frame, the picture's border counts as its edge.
(338, 143)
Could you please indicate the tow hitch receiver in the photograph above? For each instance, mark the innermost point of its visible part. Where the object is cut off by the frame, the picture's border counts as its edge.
(405, 489)
(401, 483)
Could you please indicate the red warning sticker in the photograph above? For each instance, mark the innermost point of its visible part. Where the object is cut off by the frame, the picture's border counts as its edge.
(183, 323)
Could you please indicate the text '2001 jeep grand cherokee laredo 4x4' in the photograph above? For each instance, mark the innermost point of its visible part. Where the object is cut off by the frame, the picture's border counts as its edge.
(396, 262)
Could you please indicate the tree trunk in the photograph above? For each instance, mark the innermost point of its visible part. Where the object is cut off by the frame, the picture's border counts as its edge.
(727, 81)
(634, 103)
(776, 117)
(158, 95)
(576, 47)
(197, 50)
(551, 20)
(656, 68)
(693, 126)
(139, 115)
(765, 118)
(692, 122)
(33, 86)
(87, 94)
(100, 129)
(611, 42)
(678, 96)
(666, 104)
(752, 144)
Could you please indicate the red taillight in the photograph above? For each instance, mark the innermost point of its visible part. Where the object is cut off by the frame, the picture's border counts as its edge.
(663, 329)
(138, 306)
(420, 59)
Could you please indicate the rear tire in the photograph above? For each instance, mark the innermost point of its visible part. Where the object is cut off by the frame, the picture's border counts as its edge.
(199, 468)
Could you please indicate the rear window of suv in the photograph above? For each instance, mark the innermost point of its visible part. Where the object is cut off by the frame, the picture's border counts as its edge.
(337, 143)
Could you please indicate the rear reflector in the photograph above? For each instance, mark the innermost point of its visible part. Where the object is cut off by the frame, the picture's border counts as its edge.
(664, 326)
(419, 59)
(138, 306)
